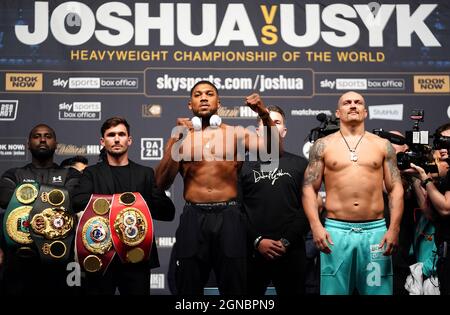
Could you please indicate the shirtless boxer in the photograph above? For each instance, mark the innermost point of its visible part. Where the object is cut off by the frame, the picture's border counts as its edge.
(353, 164)
(212, 229)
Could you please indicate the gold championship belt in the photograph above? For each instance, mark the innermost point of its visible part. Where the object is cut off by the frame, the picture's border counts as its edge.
(52, 223)
(93, 241)
(16, 224)
(131, 227)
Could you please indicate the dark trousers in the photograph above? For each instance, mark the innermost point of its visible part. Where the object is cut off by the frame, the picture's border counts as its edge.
(192, 274)
(287, 273)
(211, 237)
(400, 265)
(443, 268)
(129, 279)
(28, 276)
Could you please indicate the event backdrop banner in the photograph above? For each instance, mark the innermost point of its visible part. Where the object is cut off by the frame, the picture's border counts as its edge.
(73, 64)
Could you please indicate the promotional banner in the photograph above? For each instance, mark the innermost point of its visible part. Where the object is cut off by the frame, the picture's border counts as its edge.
(73, 64)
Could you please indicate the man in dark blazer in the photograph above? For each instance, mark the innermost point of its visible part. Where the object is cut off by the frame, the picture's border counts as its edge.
(117, 174)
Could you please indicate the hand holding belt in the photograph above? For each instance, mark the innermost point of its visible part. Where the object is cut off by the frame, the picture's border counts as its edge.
(52, 224)
(16, 222)
(131, 227)
(93, 241)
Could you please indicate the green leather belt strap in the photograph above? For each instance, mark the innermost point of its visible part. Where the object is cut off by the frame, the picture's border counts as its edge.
(16, 223)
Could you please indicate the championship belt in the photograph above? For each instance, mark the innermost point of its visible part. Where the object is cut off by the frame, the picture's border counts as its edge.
(93, 241)
(52, 224)
(16, 223)
(131, 227)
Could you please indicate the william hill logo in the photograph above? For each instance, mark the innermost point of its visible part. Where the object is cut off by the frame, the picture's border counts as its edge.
(431, 84)
(236, 112)
(23, 82)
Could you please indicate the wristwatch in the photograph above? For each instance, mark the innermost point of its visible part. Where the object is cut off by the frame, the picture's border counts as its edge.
(285, 242)
(426, 181)
(257, 241)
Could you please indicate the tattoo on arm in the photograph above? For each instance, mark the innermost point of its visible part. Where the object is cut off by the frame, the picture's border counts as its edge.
(315, 166)
(392, 163)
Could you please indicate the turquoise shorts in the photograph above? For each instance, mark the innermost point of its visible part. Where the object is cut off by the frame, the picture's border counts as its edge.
(355, 261)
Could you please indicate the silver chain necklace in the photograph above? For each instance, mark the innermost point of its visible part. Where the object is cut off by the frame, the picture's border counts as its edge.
(353, 154)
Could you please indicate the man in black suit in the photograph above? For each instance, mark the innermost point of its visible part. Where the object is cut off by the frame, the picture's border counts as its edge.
(117, 174)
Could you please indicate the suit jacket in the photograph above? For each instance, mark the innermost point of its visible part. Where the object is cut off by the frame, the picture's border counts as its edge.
(98, 179)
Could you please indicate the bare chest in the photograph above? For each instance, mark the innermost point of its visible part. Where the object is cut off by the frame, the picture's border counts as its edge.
(214, 145)
(365, 156)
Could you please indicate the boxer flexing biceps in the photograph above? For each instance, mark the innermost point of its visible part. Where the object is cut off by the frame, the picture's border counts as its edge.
(212, 229)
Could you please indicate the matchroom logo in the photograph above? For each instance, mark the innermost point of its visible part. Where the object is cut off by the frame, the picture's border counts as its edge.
(431, 84)
(23, 82)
